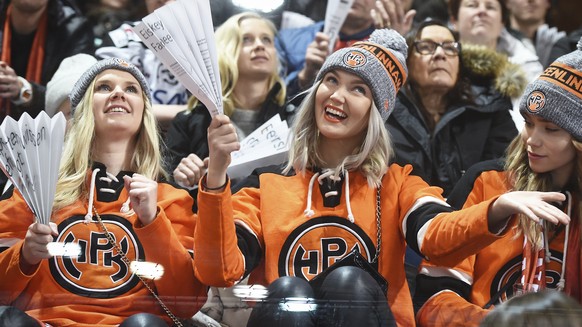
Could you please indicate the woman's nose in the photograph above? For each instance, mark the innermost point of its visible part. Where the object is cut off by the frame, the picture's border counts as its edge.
(259, 44)
(117, 93)
(534, 138)
(338, 95)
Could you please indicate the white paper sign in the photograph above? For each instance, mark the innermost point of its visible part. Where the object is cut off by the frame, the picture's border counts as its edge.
(335, 15)
(267, 145)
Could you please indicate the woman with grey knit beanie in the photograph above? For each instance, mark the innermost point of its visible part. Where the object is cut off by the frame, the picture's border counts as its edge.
(545, 156)
(327, 234)
(132, 235)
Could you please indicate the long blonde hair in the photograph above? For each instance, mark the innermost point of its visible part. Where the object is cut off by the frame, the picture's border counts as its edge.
(78, 151)
(228, 40)
(371, 158)
(523, 178)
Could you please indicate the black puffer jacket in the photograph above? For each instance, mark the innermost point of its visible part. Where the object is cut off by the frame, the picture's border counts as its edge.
(188, 131)
(68, 33)
(465, 134)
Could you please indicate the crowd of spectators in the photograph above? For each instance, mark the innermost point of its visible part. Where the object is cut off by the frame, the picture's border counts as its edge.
(465, 97)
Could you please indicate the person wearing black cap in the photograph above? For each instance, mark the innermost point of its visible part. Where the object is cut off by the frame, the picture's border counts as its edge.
(546, 156)
(107, 202)
(338, 193)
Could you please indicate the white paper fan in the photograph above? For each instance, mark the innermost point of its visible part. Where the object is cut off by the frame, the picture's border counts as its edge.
(30, 155)
(181, 35)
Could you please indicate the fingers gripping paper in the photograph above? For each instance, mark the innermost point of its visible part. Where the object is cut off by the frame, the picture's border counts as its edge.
(181, 35)
(30, 155)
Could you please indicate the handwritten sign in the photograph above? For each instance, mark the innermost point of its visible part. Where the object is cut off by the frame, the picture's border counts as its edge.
(267, 145)
(181, 35)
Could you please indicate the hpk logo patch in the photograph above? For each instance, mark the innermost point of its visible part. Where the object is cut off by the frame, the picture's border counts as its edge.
(122, 62)
(536, 101)
(354, 59)
(316, 244)
(99, 271)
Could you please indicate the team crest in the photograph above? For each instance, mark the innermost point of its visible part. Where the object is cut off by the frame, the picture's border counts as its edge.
(318, 243)
(122, 62)
(536, 101)
(354, 59)
(510, 274)
(99, 270)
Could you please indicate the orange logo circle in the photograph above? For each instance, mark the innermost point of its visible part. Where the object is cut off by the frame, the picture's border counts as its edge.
(354, 59)
(98, 271)
(536, 101)
(122, 62)
(306, 253)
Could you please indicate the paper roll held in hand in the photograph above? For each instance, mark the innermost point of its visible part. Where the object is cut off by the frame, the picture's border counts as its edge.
(181, 35)
(30, 155)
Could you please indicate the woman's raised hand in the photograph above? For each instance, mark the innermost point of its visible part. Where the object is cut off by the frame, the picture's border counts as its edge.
(222, 141)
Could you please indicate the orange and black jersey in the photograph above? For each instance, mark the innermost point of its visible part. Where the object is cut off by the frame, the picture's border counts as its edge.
(297, 225)
(463, 293)
(97, 287)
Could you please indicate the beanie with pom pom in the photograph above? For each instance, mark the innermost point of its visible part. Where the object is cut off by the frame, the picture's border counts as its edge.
(380, 62)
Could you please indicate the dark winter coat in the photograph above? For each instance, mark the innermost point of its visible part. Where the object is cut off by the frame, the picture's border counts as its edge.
(464, 135)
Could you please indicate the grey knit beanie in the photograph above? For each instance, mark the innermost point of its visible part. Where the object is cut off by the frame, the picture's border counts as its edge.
(556, 95)
(380, 62)
(110, 63)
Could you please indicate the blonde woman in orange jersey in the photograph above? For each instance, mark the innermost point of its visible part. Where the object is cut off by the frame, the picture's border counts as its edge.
(338, 193)
(109, 202)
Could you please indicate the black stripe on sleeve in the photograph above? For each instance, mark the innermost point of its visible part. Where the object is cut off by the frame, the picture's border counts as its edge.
(427, 286)
(250, 248)
(418, 218)
(464, 186)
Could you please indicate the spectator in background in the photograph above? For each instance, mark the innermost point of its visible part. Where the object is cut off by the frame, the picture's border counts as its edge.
(449, 115)
(303, 50)
(252, 92)
(528, 23)
(62, 82)
(536, 309)
(452, 113)
(169, 96)
(107, 15)
(533, 256)
(482, 22)
(36, 37)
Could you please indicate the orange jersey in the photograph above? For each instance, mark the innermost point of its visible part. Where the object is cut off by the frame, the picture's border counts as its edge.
(276, 238)
(97, 287)
(460, 295)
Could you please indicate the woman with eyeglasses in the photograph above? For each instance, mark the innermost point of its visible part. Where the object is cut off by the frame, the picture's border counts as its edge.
(450, 114)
